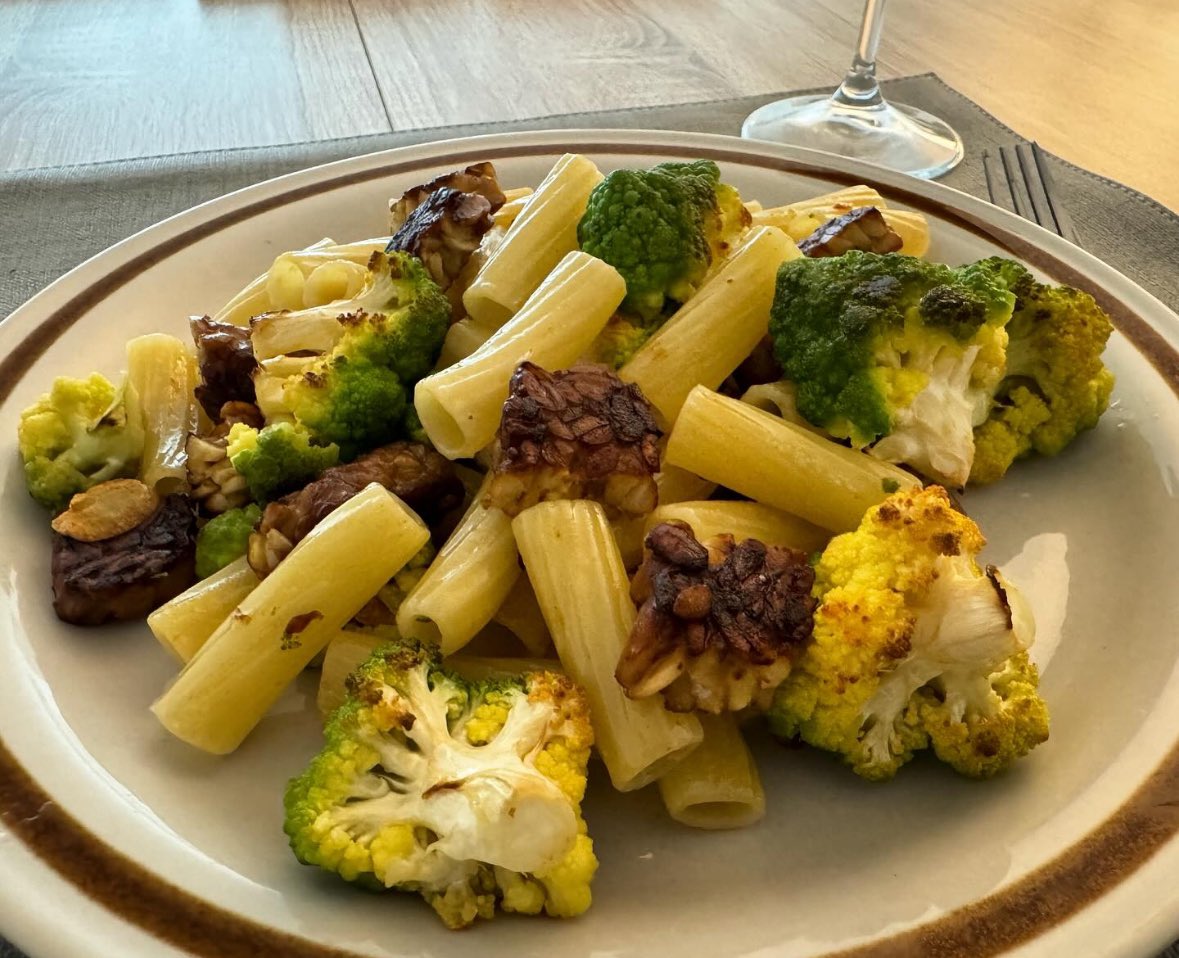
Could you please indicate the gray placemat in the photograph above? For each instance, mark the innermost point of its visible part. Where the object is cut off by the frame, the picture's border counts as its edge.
(51, 219)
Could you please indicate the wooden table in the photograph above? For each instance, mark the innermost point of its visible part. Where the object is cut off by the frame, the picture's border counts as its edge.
(92, 80)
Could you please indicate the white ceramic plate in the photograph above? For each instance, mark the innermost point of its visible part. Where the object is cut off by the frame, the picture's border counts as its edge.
(118, 840)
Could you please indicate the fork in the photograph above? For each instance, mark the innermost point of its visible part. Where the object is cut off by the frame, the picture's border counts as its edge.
(1018, 180)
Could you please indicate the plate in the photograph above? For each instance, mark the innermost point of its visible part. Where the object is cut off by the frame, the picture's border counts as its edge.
(117, 839)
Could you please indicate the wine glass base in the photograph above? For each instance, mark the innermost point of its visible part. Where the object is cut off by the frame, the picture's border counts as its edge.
(899, 137)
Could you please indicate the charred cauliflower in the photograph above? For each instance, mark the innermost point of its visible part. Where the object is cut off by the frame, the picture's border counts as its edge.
(466, 793)
(914, 647)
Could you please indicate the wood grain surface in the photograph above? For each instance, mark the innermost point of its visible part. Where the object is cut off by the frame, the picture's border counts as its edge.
(89, 80)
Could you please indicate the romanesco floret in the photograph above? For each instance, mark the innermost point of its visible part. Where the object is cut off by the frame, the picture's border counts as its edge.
(662, 229)
(1055, 385)
(893, 352)
(76, 436)
(356, 394)
(466, 793)
(619, 341)
(224, 538)
(278, 458)
(914, 647)
(393, 593)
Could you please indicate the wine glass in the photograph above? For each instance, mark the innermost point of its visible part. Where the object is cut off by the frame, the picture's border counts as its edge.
(857, 121)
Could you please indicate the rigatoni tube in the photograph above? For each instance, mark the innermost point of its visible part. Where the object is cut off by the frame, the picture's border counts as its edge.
(184, 624)
(716, 329)
(161, 377)
(460, 406)
(543, 232)
(577, 574)
(466, 583)
(742, 520)
(520, 613)
(778, 463)
(717, 786)
(287, 620)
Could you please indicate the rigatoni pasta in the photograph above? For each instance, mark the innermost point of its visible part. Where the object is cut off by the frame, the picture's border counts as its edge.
(802, 218)
(184, 624)
(287, 620)
(460, 406)
(716, 786)
(544, 231)
(743, 520)
(716, 329)
(161, 377)
(520, 613)
(574, 566)
(288, 284)
(779, 463)
(466, 583)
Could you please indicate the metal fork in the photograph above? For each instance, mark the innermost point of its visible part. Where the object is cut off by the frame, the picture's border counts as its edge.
(1018, 179)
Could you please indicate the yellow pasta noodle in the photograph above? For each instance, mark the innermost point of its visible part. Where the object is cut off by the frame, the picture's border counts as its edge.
(239, 673)
(466, 583)
(288, 280)
(801, 219)
(276, 334)
(778, 463)
(543, 232)
(520, 612)
(717, 786)
(744, 520)
(574, 566)
(184, 624)
(344, 653)
(716, 329)
(680, 485)
(460, 406)
(161, 377)
(462, 339)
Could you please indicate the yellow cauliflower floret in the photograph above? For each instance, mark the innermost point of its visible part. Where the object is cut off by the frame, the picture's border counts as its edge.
(914, 645)
(567, 887)
(487, 720)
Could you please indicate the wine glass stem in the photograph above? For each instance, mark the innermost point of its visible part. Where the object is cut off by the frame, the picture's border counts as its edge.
(859, 87)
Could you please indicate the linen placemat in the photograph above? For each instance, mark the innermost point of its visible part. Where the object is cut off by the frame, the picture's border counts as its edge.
(54, 218)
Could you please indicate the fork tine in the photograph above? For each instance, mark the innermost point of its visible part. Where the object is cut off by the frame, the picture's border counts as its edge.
(996, 182)
(1064, 223)
(1037, 193)
(1016, 183)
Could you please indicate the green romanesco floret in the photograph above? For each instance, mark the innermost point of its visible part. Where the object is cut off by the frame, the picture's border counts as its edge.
(277, 459)
(895, 353)
(357, 393)
(393, 593)
(466, 793)
(619, 341)
(914, 647)
(1055, 385)
(662, 229)
(76, 436)
(224, 538)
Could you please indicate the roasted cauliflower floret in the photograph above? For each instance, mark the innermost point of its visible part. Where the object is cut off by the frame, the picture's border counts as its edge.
(1055, 385)
(581, 433)
(719, 622)
(915, 646)
(76, 436)
(467, 794)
